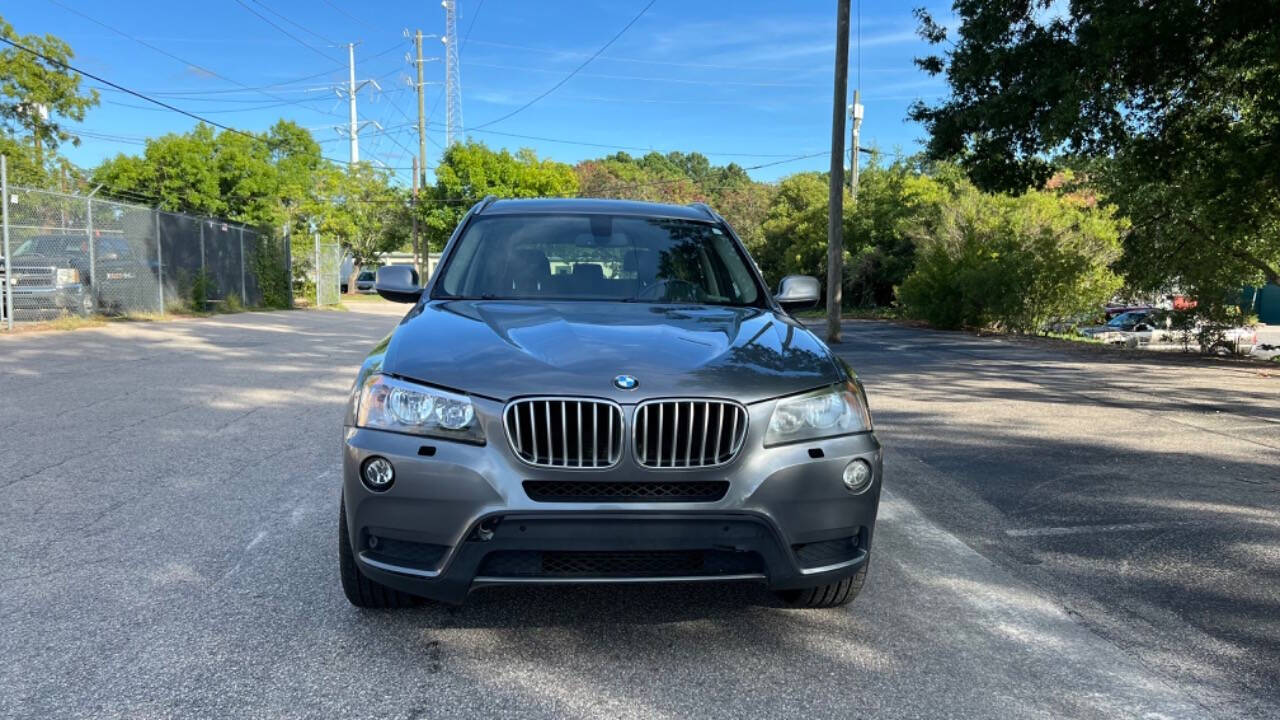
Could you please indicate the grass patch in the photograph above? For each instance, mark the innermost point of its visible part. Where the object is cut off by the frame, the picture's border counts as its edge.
(60, 323)
(1069, 337)
(361, 298)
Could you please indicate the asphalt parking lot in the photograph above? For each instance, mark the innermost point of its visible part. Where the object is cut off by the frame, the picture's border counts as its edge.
(1063, 534)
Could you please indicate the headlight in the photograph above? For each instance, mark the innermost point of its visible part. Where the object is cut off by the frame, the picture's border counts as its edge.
(67, 276)
(838, 410)
(385, 403)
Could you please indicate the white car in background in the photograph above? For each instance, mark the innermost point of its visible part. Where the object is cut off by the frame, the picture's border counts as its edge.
(1132, 328)
(1154, 328)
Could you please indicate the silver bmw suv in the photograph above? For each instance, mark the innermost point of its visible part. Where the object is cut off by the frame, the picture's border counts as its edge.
(602, 391)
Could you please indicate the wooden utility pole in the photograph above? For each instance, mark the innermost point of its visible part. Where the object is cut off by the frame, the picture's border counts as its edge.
(835, 195)
(413, 210)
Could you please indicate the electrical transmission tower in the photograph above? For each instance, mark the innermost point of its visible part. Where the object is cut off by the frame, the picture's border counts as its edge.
(354, 125)
(452, 79)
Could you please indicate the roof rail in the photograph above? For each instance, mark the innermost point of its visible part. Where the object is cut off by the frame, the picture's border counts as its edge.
(706, 209)
(484, 203)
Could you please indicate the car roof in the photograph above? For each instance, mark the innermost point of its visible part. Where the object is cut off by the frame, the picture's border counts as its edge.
(597, 206)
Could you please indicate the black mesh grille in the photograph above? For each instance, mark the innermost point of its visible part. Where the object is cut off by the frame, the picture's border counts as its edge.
(593, 491)
(423, 556)
(826, 552)
(657, 563)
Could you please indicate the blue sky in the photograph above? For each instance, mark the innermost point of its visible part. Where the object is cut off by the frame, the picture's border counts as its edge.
(740, 81)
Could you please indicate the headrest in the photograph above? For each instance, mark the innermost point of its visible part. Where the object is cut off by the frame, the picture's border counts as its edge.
(590, 271)
(531, 261)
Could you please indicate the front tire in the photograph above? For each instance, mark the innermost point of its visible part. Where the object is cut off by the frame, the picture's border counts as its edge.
(85, 308)
(360, 590)
(831, 595)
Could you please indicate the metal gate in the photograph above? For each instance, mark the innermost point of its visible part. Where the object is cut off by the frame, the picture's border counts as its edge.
(328, 273)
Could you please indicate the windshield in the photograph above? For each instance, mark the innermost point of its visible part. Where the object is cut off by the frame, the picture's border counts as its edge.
(1129, 318)
(366, 275)
(598, 257)
(51, 246)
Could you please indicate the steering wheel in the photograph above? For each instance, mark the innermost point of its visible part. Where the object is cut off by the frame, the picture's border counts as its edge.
(693, 289)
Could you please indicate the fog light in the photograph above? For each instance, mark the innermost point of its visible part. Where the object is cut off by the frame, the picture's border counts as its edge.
(378, 474)
(857, 476)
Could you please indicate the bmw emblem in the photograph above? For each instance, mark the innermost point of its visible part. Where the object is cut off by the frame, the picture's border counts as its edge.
(626, 382)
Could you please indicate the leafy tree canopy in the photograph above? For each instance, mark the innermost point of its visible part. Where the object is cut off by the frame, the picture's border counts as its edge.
(262, 180)
(36, 98)
(1011, 262)
(470, 171)
(1171, 108)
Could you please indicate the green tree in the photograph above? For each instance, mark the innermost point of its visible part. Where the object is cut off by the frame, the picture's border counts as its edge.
(795, 229)
(1170, 108)
(36, 98)
(891, 200)
(470, 171)
(361, 210)
(263, 180)
(1012, 262)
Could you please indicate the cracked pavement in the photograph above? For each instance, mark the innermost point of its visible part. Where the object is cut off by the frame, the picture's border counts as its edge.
(1062, 535)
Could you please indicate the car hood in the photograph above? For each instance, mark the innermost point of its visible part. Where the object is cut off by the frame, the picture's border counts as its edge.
(503, 349)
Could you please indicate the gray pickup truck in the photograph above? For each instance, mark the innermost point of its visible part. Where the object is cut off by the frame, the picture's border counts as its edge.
(54, 274)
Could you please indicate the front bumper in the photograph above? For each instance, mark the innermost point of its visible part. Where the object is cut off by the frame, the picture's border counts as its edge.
(65, 298)
(457, 516)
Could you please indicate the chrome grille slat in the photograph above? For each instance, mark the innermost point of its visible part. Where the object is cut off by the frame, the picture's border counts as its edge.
(568, 432)
(718, 427)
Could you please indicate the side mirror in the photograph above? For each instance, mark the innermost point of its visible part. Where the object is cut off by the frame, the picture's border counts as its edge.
(797, 292)
(398, 283)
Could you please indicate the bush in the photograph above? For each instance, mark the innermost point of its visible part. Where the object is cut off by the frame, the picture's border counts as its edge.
(269, 271)
(200, 285)
(1011, 263)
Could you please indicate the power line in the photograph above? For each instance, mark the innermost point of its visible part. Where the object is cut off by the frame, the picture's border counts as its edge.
(223, 111)
(467, 36)
(190, 94)
(135, 93)
(349, 15)
(167, 54)
(304, 29)
(239, 101)
(683, 81)
(575, 71)
(642, 61)
(625, 147)
(288, 34)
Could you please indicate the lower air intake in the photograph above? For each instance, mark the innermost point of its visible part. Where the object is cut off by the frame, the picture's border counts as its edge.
(599, 491)
(615, 564)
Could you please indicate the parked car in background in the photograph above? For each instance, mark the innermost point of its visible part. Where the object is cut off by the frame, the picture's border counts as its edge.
(1239, 340)
(54, 274)
(1112, 310)
(1129, 328)
(1163, 329)
(364, 281)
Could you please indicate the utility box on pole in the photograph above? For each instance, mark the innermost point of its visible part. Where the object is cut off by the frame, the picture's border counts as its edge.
(855, 116)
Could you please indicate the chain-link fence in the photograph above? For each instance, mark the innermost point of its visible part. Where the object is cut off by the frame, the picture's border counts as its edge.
(77, 255)
(329, 273)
